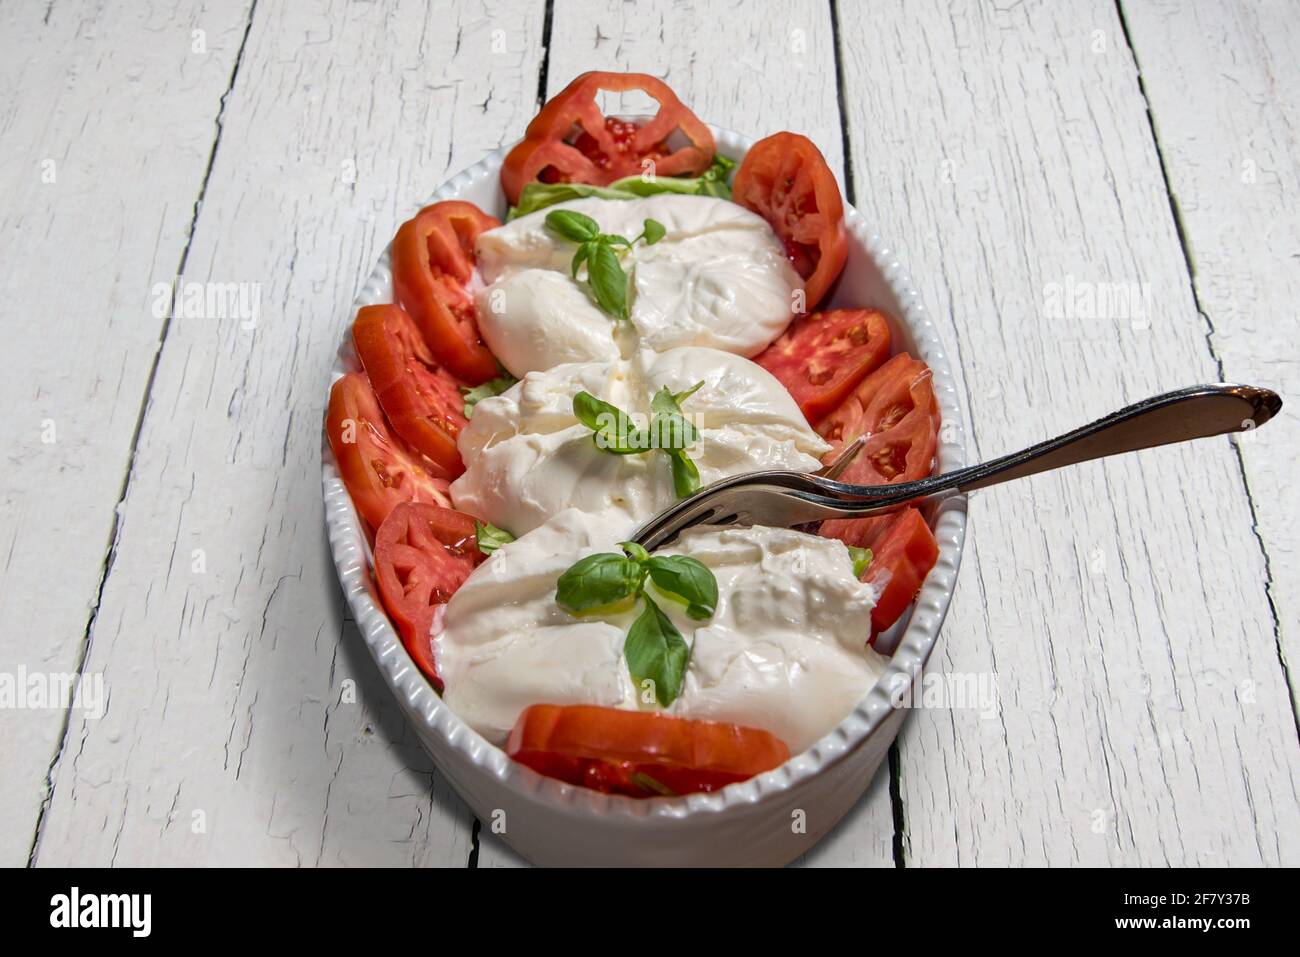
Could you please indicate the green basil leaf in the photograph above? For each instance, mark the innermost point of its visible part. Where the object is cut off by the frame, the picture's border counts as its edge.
(490, 388)
(591, 411)
(861, 559)
(672, 432)
(656, 651)
(680, 397)
(489, 537)
(580, 257)
(598, 581)
(637, 186)
(708, 184)
(631, 442)
(666, 401)
(613, 430)
(686, 475)
(653, 231)
(712, 182)
(537, 196)
(719, 169)
(608, 281)
(572, 225)
(671, 429)
(689, 579)
(634, 551)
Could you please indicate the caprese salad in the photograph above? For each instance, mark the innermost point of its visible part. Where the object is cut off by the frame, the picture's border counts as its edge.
(646, 321)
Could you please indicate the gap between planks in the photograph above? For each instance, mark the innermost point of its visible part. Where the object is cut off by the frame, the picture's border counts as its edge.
(893, 759)
(84, 651)
(543, 69)
(1189, 264)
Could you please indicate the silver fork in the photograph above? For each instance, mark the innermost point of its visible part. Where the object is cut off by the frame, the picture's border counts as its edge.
(786, 498)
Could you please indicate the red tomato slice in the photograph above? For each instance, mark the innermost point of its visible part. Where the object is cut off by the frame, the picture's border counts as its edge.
(896, 395)
(422, 400)
(903, 551)
(638, 753)
(572, 141)
(380, 472)
(433, 260)
(423, 553)
(784, 178)
(822, 357)
(896, 408)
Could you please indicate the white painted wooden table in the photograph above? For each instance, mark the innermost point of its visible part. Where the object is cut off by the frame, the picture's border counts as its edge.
(161, 519)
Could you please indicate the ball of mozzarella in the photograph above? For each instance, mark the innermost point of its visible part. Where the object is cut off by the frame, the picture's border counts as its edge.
(718, 278)
(528, 457)
(786, 650)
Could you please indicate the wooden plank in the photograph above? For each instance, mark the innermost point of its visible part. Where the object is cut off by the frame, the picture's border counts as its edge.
(752, 74)
(246, 723)
(1223, 84)
(106, 112)
(1144, 718)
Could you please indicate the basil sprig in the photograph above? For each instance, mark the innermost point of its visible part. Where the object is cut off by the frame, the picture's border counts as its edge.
(712, 182)
(489, 388)
(667, 409)
(654, 649)
(669, 431)
(605, 273)
(489, 537)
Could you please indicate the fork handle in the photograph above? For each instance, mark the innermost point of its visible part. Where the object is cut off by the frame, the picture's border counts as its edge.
(1196, 412)
(791, 499)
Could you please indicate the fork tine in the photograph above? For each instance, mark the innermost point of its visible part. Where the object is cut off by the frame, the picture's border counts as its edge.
(742, 500)
(843, 460)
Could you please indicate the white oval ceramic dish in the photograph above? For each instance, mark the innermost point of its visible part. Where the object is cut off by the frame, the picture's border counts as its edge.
(749, 823)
